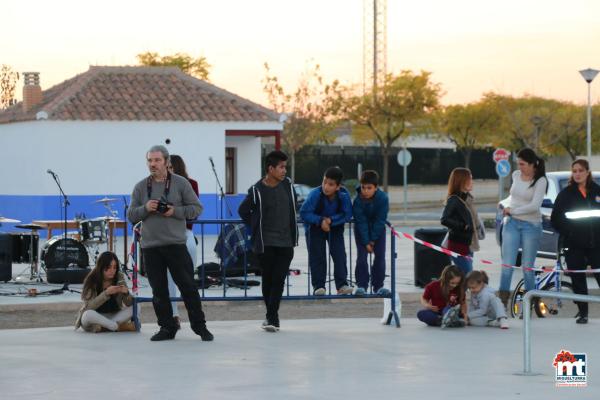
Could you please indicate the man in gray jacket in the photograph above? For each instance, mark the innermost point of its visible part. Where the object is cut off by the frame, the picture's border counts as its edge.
(163, 201)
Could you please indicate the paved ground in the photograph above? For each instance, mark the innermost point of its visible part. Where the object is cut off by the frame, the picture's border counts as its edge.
(309, 359)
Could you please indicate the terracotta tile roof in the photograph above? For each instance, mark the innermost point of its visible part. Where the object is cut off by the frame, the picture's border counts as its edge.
(139, 94)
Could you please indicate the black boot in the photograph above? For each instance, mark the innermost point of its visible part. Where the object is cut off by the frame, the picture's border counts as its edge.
(582, 315)
(163, 334)
(203, 332)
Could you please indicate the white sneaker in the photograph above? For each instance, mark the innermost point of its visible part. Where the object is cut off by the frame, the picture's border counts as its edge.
(494, 323)
(320, 292)
(503, 323)
(344, 290)
(269, 327)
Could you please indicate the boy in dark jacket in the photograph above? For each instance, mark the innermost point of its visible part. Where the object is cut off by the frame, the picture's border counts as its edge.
(370, 210)
(325, 211)
(270, 210)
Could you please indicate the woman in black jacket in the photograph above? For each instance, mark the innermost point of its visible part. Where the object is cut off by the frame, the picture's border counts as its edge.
(460, 216)
(580, 236)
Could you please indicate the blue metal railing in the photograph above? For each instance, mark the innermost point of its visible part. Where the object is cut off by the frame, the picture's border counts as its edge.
(393, 315)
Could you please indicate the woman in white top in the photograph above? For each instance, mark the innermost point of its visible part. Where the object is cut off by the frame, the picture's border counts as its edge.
(523, 223)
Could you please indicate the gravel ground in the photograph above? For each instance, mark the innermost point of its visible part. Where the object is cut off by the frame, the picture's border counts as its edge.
(64, 314)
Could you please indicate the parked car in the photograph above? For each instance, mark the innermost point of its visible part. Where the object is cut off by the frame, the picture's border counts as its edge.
(302, 191)
(557, 181)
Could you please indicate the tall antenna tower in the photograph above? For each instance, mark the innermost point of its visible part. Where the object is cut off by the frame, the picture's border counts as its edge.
(374, 44)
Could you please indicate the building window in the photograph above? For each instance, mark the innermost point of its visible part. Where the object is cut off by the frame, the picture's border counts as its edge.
(230, 170)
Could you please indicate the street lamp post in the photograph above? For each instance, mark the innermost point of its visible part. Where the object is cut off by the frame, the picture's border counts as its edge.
(589, 75)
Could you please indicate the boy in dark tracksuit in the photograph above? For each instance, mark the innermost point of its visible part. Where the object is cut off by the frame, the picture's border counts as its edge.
(370, 210)
(270, 210)
(325, 211)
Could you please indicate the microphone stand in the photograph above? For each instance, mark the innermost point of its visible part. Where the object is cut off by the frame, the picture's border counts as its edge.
(221, 238)
(125, 210)
(222, 193)
(65, 204)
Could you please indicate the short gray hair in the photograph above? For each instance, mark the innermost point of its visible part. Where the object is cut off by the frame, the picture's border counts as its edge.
(159, 148)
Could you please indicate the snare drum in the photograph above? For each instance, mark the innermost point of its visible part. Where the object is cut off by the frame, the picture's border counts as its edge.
(93, 230)
(21, 245)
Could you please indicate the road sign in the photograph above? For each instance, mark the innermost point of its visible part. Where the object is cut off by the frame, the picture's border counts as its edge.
(503, 168)
(501, 154)
(404, 157)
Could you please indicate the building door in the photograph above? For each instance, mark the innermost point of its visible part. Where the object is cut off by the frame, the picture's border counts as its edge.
(230, 170)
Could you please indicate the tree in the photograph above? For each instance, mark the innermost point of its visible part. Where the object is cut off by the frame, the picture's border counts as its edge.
(395, 109)
(197, 67)
(8, 85)
(568, 131)
(525, 121)
(595, 128)
(306, 118)
(470, 126)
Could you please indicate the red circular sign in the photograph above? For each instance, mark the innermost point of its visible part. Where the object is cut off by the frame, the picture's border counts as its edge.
(501, 154)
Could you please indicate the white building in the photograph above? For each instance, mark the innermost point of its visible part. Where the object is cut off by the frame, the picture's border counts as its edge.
(93, 131)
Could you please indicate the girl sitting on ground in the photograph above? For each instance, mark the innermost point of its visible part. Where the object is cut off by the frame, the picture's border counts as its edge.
(107, 302)
(484, 307)
(444, 300)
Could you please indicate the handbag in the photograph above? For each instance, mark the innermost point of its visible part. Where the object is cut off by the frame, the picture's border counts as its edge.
(480, 229)
(445, 241)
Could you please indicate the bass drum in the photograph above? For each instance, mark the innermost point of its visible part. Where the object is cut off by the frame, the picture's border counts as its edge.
(59, 252)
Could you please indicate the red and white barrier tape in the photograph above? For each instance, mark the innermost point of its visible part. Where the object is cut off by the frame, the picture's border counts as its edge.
(482, 261)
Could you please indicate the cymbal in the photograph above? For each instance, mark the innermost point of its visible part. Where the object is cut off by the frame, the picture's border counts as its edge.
(8, 220)
(30, 226)
(105, 200)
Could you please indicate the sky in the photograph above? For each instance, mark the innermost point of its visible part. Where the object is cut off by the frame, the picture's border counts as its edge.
(471, 47)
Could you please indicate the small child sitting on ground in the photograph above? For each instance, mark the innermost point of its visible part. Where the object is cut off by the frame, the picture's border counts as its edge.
(484, 307)
(444, 300)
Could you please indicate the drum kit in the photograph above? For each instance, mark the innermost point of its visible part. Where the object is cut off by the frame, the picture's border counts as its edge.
(63, 251)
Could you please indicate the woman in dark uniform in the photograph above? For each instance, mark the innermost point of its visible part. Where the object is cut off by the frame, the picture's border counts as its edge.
(580, 236)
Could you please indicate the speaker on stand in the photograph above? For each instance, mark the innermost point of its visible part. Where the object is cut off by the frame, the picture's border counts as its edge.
(5, 257)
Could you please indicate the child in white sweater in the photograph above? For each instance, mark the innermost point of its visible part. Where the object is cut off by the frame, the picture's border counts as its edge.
(484, 307)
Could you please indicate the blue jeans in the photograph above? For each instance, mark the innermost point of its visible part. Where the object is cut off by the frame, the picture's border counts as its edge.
(463, 263)
(526, 236)
(432, 318)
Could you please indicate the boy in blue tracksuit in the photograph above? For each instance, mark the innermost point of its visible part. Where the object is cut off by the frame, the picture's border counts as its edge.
(370, 210)
(324, 212)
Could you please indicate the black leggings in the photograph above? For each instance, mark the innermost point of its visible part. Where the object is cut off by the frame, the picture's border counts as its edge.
(579, 258)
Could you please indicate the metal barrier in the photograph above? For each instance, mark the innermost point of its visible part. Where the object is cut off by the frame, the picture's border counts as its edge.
(527, 318)
(393, 315)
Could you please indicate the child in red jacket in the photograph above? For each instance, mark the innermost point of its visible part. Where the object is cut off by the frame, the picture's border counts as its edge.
(444, 299)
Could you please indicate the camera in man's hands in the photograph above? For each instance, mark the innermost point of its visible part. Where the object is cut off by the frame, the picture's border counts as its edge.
(163, 206)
